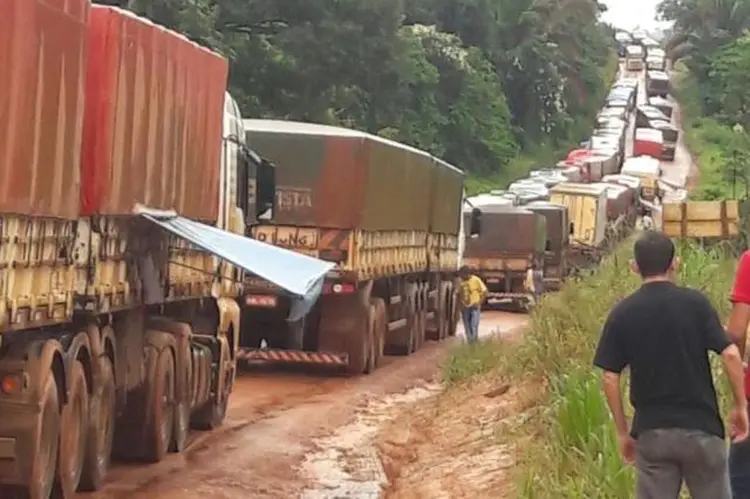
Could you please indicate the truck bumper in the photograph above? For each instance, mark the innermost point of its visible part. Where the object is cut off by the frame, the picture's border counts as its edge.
(282, 356)
(18, 441)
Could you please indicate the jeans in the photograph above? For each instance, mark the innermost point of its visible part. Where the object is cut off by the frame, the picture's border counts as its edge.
(470, 317)
(739, 469)
(667, 457)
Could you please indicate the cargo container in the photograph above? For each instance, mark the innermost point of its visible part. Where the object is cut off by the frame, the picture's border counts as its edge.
(648, 142)
(387, 215)
(511, 239)
(587, 211)
(663, 105)
(634, 58)
(556, 245)
(657, 84)
(119, 323)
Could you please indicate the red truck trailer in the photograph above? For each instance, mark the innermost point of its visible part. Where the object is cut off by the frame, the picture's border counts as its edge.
(117, 331)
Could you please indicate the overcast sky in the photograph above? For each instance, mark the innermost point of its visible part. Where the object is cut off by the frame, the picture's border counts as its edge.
(627, 14)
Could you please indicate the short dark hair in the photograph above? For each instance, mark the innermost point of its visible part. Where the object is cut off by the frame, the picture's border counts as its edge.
(464, 270)
(654, 253)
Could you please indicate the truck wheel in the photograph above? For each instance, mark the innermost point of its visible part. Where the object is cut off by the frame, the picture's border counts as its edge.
(372, 324)
(381, 326)
(358, 346)
(181, 425)
(42, 479)
(101, 431)
(212, 415)
(73, 433)
(441, 313)
(161, 397)
(420, 325)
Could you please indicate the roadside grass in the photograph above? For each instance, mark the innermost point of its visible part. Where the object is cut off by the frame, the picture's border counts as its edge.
(711, 141)
(571, 449)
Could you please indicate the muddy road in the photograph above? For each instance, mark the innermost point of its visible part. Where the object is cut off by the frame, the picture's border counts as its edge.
(296, 434)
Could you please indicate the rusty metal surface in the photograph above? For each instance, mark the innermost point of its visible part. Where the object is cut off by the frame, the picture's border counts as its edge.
(507, 229)
(42, 64)
(343, 179)
(153, 122)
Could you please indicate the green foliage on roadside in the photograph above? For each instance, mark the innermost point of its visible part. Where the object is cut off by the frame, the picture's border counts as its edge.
(713, 49)
(484, 85)
(575, 453)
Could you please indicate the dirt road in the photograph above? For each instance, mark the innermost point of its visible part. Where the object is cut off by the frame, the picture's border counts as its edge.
(292, 434)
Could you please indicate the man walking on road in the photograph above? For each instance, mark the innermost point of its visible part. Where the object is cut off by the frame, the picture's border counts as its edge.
(739, 320)
(473, 293)
(663, 333)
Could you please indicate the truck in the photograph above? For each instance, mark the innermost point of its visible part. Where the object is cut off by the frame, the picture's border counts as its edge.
(511, 239)
(125, 195)
(634, 58)
(387, 215)
(648, 170)
(555, 267)
(657, 84)
(587, 215)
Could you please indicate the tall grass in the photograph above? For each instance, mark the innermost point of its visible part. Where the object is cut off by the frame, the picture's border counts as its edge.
(574, 450)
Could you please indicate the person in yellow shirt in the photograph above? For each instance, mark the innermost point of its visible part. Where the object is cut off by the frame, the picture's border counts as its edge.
(473, 293)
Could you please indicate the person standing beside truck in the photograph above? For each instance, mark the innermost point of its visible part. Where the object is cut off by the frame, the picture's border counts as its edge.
(473, 293)
(663, 333)
(739, 320)
(534, 281)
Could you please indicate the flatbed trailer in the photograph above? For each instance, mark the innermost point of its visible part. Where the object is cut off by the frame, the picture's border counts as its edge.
(387, 215)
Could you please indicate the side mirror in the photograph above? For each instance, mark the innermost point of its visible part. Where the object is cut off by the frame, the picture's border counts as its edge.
(475, 226)
(572, 229)
(266, 191)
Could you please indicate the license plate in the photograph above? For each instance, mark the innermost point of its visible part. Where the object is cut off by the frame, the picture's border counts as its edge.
(267, 301)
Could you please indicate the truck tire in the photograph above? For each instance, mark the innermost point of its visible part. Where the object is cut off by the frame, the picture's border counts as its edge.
(442, 312)
(381, 327)
(420, 324)
(101, 430)
(358, 346)
(74, 426)
(160, 403)
(454, 312)
(44, 465)
(372, 324)
(213, 413)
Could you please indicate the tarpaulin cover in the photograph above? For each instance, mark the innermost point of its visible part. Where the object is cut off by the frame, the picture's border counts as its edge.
(153, 120)
(299, 275)
(42, 75)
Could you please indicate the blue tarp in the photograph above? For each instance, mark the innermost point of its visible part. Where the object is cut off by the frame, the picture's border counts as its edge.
(300, 275)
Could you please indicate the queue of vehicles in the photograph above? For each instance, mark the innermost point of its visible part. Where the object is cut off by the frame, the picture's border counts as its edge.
(151, 239)
(564, 218)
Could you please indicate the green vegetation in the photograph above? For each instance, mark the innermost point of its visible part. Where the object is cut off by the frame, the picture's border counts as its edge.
(492, 87)
(714, 52)
(574, 451)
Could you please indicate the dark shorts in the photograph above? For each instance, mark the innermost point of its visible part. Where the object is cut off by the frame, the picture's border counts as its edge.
(667, 457)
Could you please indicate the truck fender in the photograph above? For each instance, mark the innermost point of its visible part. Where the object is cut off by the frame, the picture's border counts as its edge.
(229, 321)
(80, 343)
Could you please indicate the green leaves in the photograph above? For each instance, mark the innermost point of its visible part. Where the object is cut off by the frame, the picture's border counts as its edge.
(472, 81)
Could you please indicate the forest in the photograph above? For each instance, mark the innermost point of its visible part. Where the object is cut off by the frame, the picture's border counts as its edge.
(488, 85)
(711, 44)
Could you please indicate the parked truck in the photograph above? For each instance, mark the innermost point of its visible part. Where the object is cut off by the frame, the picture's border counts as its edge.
(125, 193)
(387, 215)
(634, 58)
(555, 266)
(511, 239)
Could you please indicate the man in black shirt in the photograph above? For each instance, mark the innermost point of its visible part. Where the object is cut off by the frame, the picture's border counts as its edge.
(663, 333)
